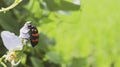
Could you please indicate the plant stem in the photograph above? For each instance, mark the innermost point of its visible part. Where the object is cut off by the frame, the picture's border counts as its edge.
(4, 65)
(16, 2)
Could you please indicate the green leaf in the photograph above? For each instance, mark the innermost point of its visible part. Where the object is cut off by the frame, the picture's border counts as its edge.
(34, 8)
(54, 57)
(36, 62)
(58, 2)
(55, 5)
(23, 61)
(78, 62)
(10, 24)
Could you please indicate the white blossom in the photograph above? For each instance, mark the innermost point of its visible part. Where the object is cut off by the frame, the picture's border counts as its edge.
(11, 41)
(24, 31)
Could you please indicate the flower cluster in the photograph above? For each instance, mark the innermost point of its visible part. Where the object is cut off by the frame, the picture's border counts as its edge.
(14, 44)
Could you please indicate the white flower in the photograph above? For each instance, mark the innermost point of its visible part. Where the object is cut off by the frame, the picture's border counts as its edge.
(14, 43)
(11, 41)
(24, 31)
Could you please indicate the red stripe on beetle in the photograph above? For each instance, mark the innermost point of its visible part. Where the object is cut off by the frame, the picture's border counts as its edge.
(36, 40)
(35, 34)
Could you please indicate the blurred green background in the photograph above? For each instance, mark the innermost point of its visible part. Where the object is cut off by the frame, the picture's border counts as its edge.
(71, 35)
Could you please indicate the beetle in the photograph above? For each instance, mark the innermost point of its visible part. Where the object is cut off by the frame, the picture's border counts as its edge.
(34, 36)
(29, 32)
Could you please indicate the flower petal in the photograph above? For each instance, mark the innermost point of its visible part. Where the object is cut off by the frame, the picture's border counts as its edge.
(11, 41)
(24, 31)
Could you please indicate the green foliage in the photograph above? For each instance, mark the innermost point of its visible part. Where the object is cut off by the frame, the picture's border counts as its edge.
(36, 62)
(57, 59)
(45, 15)
(70, 35)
